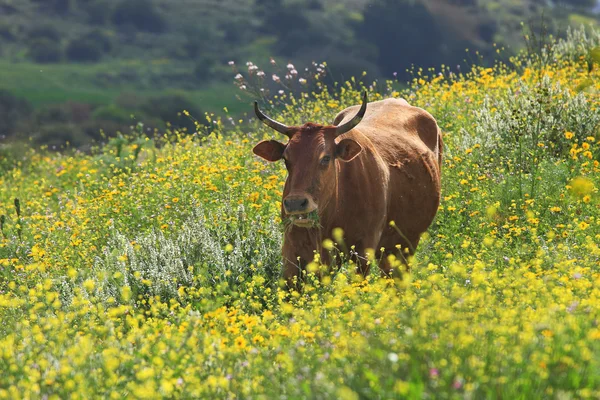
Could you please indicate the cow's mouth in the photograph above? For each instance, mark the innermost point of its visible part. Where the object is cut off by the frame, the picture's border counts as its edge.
(302, 221)
(307, 220)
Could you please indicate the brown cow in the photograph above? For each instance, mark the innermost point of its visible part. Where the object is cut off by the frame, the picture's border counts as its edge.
(359, 178)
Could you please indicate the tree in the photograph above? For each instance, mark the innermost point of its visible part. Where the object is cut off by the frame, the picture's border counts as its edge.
(405, 34)
(13, 109)
(141, 14)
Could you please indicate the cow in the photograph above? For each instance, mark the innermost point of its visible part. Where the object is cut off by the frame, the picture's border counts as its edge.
(375, 173)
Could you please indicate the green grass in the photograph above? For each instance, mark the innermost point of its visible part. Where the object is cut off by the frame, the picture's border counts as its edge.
(102, 83)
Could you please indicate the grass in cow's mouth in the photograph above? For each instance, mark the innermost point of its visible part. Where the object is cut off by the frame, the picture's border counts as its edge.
(312, 216)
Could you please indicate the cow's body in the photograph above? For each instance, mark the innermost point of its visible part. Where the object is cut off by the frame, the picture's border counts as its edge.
(395, 177)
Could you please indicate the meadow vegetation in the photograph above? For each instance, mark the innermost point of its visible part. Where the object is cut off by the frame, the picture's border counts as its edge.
(101, 55)
(151, 267)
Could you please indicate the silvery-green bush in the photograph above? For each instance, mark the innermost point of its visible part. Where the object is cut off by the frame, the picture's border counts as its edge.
(578, 42)
(535, 117)
(155, 264)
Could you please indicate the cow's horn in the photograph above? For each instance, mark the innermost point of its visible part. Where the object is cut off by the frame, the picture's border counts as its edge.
(278, 126)
(354, 121)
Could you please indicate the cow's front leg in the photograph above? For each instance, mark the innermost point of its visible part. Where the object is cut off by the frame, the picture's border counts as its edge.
(361, 258)
(292, 271)
(293, 265)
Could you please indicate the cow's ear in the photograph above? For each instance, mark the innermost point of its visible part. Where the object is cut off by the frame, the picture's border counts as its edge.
(347, 149)
(270, 150)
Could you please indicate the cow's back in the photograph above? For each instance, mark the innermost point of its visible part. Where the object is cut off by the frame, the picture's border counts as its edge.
(393, 126)
(408, 141)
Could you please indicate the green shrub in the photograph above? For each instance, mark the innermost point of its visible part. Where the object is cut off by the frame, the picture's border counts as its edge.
(83, 50)
(197, 249)
(45, 51)
(8, 31)
(170, 107)
(58, 135)
(141, 14)
(54, 113)
(99, 129)
(12, 110)
(48, 32)
(98, 11)
(56, 6)
(113, 113)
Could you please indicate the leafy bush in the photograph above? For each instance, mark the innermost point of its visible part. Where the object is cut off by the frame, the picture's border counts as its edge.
(56, 6)
(45, 51)
(113, 113)
(54, 113)
(48, 32)
(8, 31)
(99, 129)
(158, 265)
(170, 107)
(89, 47)
(98, 11)
(12, 110)
(142, 14)
(388, 23)
(535, 118)
(57, 135)
(578, 43)
(84, 50)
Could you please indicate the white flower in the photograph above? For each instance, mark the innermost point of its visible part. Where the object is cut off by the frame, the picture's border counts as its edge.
(281, 91)
(393, 357)
(302, 81)
(294, 72)
(231, 63)
(290, 66)
(239, 77)
(260, 73)
(243, 87)
(276, 78)
(252, 68)
(272, 61)
(249, 63)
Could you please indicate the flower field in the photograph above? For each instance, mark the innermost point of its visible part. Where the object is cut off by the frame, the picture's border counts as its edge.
(149, 268)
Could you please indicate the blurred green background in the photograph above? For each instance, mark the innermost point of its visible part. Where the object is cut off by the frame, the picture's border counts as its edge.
(71, 68)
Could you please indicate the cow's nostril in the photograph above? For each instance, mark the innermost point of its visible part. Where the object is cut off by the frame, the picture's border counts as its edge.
(296, 204)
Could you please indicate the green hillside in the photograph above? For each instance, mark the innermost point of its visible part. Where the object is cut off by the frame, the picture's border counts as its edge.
(110, 59)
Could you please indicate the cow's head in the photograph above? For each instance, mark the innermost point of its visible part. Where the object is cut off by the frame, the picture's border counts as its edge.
(310, 157)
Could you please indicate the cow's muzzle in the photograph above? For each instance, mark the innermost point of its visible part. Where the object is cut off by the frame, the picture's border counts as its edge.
(296, 204)
(297, 207)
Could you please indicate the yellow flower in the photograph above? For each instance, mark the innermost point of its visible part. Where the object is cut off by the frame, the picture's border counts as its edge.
(240, 343)
(581, 186)
(89, 285)
(569, 135)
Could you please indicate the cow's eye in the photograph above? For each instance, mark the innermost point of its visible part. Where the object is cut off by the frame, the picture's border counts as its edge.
(325, 160)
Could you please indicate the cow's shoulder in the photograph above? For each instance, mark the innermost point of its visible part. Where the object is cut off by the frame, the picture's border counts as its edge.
(373, 108)
(425, 126)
